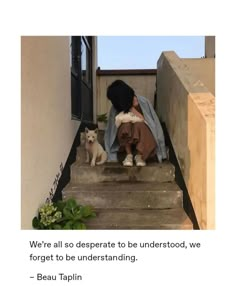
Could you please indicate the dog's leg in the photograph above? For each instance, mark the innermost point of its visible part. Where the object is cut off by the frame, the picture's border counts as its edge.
(103, 158)
(87, 157)
(93, 162)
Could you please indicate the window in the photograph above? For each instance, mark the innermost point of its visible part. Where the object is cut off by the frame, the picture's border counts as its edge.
(81, 78)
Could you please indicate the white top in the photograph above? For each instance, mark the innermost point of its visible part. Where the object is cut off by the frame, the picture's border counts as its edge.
(126, 117)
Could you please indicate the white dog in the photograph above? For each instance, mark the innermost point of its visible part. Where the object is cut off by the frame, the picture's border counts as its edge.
(94, 150)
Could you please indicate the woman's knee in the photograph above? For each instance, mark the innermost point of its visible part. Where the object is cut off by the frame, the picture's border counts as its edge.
(125, 126)
(139, 125)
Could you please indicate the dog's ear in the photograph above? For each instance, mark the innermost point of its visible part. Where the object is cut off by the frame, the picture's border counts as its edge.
(96, 130)
(86, 130)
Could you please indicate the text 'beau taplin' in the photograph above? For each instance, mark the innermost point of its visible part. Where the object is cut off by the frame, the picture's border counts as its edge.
(59, 276)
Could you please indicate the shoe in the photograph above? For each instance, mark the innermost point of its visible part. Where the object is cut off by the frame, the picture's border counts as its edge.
(128, 162)
(139, 161)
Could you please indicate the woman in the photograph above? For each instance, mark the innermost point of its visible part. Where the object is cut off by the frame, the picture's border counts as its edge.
(144, 136)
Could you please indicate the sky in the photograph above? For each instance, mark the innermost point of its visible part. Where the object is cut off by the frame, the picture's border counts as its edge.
(142, 52)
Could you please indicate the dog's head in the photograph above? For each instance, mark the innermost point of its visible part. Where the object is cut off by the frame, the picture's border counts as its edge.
(91, 135)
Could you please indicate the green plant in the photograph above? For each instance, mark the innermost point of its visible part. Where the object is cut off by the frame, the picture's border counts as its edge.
(102, 117)
(62, 215)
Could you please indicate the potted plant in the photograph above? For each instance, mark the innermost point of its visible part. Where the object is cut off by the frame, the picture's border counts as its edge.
(102, 121)
(62, 215)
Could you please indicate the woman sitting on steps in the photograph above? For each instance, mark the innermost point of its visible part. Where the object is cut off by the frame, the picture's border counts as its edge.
(133, 127)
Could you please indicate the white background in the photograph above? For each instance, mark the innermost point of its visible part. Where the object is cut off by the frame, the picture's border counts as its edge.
(214, 261)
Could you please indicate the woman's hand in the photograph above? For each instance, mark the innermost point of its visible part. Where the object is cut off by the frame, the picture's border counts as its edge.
(135, 111)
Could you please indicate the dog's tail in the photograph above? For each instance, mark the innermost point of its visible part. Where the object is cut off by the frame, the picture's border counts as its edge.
(103, 158)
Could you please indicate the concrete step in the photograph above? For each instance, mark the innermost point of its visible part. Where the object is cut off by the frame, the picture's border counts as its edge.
(126, 195)
(140, 219)
(113, 172)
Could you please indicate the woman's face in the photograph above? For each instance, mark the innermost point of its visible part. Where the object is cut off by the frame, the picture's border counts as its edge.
(135, 101)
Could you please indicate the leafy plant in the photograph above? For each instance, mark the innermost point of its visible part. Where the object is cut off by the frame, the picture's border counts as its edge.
(62, 215)
(102, 117)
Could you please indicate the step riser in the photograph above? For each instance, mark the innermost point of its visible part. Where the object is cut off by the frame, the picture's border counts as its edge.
(138, 227)
(128, 200)
(81, 174)
(140, 219)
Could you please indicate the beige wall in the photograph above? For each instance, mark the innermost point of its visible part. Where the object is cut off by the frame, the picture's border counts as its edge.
(188, 110)
(46, 127)
(204, 70)
(144, 85)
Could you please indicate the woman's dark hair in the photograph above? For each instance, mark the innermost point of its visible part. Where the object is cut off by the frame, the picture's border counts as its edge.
(121, 95)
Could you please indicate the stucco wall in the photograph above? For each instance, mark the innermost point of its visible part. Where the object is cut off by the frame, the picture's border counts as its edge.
(204, 69)
(47, 131)
(144, 85)
(188, 110)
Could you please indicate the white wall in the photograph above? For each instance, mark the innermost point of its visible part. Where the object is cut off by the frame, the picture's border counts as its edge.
(46, 127)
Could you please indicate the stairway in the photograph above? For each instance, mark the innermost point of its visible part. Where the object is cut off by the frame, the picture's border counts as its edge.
(128, 197)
